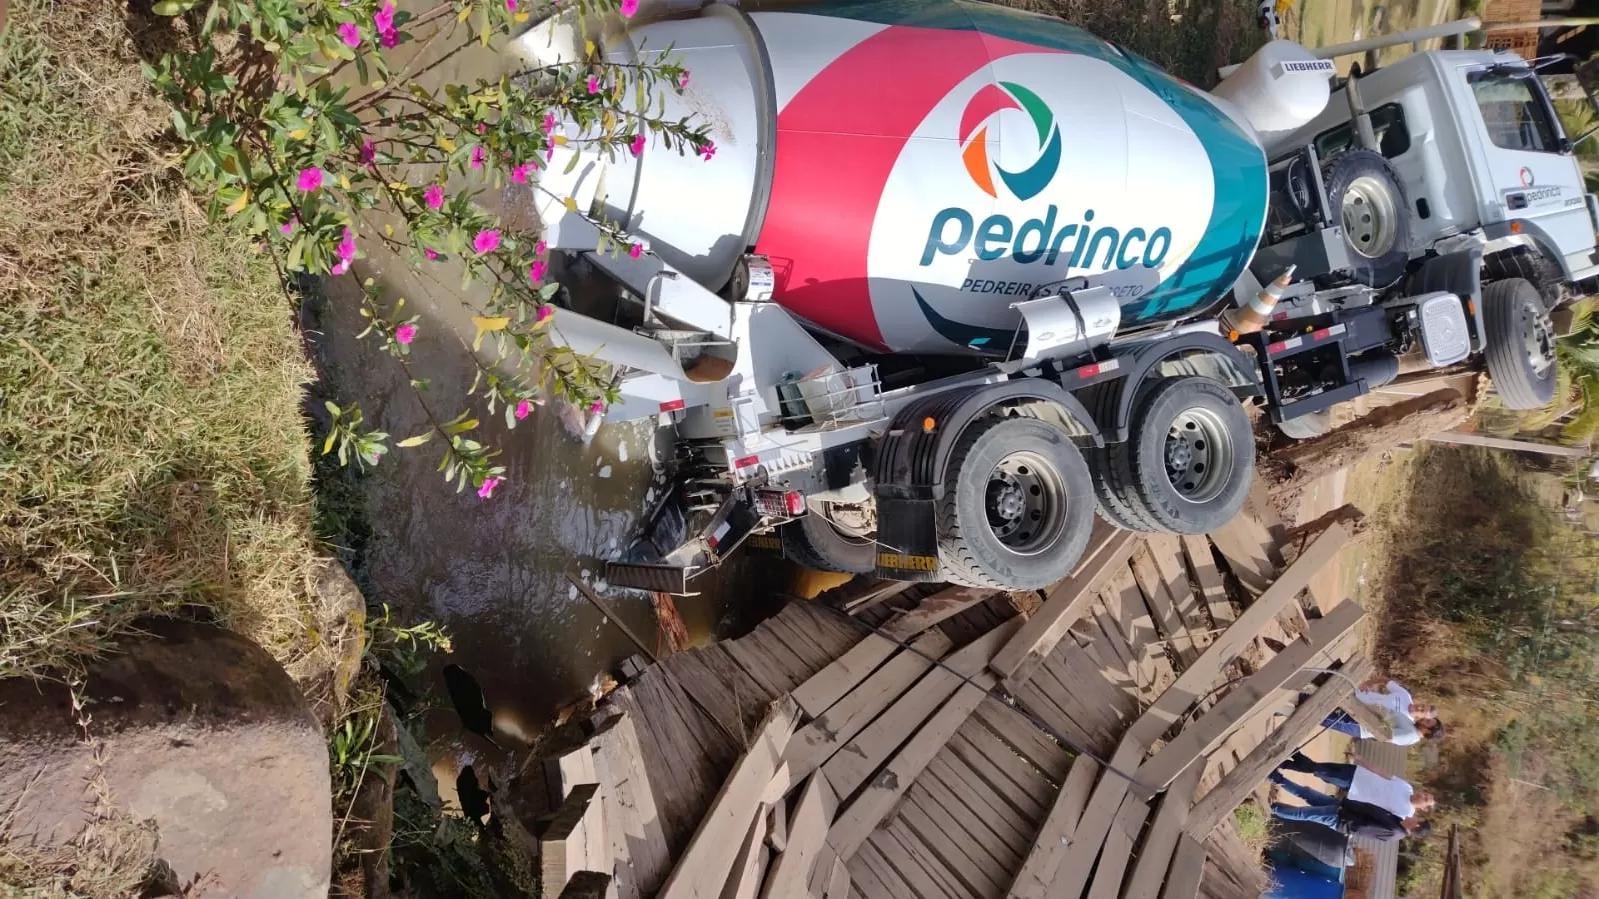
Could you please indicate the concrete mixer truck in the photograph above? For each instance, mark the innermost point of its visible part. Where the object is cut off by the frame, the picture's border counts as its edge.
(949, 286)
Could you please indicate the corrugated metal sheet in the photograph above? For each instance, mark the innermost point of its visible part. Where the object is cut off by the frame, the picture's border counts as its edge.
(1389, 759)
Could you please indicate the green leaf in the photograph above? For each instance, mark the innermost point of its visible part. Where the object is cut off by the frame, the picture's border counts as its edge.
(418, 440)
(173, 7)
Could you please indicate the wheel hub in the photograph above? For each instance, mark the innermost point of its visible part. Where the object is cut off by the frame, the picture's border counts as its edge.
(1198, 454)
(1369, 216)
(1025, 503)
(1538, 336)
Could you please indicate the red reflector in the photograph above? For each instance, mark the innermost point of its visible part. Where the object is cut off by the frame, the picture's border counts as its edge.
(795, 501)
(672, 406)
(1277, 347)
(1322, 334)
(712, 541)
(1279, 316)
(747, 462)
(1088, 371)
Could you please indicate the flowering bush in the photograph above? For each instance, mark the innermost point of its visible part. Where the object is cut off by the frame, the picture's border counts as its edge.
(295, 122)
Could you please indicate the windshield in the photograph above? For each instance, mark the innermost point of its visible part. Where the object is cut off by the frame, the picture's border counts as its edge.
(1515, 111)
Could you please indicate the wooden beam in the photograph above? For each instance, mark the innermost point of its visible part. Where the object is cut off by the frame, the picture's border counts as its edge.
(632, 821)
(829, 685)
(857, 821)
(1243, 543)
(1155, 855)
(1038, 869)
(816, 741)
(1263, 759)
(870, 593)
(1162, 606)
(611, 616)
(1211, 587)
(703, 868)
(807, 829)
(748, 869)
(562, 845)
(941, 606)
(1197, 678)
(856, 761)
(1089, 837)
(1067, 601)
(587, 885)
(1118, 848)
(1187, 870)
(838, 881)
(1500, 443)
(1247, 698)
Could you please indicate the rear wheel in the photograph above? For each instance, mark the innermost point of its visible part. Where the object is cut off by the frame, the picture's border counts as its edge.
(1192, 455)
(817, 541)
(1521, 344)
(1017, 507)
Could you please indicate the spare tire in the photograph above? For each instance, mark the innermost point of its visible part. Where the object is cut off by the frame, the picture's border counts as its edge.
(1521, 344)
(1367, 198)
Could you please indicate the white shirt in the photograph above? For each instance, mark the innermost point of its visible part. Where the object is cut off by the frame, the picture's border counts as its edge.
(1394, 706)
(1390, 793)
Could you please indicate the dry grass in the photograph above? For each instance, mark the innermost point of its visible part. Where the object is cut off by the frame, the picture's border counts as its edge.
(151, 448)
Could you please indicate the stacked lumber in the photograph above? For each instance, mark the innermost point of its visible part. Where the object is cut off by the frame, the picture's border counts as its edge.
(934, 742)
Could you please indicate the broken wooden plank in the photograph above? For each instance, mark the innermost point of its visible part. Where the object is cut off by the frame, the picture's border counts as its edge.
(1247, 698)
(1162, 607)
(632, 822)
(1194, 681)
(829, 685)
(1155, 854)
(1019, 733)
(587, 885)
(1187, 869)
(838, 882)
(1118, 848)
(943, 605)
(1067, 601)
(1263, 759)
(815, 742)
(1243, 544)
(807, 829)
(1203, 564)
(777, 827)
(562, 845)
(589, 846)
(858, 596)
(748, 865)
(703, 868)
(855, 761)
(1071, 875)
(857, 821)
(1167, 552)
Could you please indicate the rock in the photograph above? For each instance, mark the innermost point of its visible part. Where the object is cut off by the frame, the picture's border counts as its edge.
(195, 728)
(341, 613)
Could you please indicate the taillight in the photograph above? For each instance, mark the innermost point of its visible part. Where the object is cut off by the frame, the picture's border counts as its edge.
(795, 502)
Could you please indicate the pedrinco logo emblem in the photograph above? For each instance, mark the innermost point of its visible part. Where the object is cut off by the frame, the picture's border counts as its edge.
(1036, 239)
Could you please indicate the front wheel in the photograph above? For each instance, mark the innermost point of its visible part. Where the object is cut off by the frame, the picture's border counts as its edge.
(1018, 506)
(1192, 455)
(1521, 344)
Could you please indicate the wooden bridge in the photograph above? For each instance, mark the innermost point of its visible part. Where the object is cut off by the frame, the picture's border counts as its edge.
(891, 741)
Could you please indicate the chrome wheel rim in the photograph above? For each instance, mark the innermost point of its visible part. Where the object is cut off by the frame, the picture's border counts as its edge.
(1538, 338)
(1199, 455)
(1370, 219)
(1025, 502)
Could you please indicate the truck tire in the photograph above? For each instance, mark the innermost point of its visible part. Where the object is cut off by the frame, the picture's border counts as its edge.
(1307, 426)
(1521, 344)
(1017, 507)
(1192, 455)
(1112, 470)
(1529, 265)
(813, 541)
(1367, 198)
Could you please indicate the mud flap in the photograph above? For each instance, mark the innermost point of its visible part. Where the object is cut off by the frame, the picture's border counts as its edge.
(667, 555)
(907, 540)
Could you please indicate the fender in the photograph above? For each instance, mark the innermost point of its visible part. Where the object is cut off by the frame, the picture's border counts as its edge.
(912, 462)
(1113, 402)
(1533, 232)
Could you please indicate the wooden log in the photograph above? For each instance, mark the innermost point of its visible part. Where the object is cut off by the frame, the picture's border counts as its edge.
(632, 821)
(1049, 847)
(815, 742)
(1067, 601)
(856, 761)
(1187, 869)
(807, 829)
(1112, 867)
(587, 885)
(1247, 698)
(941, 606)
(1089, 836)
(1383, 429)
(703, 868)
(748, 866)
(1194, 681)
(1220, 801)
(1155, 854)
(562, 845)
(857, 821)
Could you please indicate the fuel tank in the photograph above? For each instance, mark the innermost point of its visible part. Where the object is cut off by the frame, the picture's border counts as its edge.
(914, 168)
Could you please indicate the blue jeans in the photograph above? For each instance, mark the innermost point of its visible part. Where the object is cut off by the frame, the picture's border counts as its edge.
(1337, 774)
(1325, 815)
(1340, 721)
(1303, 793)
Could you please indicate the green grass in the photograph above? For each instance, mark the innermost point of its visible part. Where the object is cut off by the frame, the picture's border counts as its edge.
(1254, 827)
(152, 454)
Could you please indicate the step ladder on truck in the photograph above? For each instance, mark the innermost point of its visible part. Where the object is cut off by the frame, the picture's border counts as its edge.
(932, 306)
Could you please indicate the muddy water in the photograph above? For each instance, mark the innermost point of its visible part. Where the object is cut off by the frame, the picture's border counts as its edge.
(494, 571)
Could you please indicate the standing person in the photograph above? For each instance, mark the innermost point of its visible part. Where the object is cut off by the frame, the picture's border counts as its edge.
(1360, 783)
(1409, 720)
(1351, 818)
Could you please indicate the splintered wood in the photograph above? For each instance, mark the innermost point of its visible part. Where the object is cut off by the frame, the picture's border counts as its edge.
(920, 742)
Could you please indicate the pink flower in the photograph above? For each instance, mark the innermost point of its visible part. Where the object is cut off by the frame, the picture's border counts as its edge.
(597, 406)
(478, 155)
(287, 227)
(347, 246)
(682, 80)
(636, 250)
(510, 5)
(549, 153)
(369, 152)
(405, 333)
(707, 151)
(594, 85)
(549, 123)
(434, 196)
(539, 250)
(383, 19)
(340, 267)
(629, 7)
(350, 33)
(487, 490)
(310, 179)
(535, 272)
(523, 408)
(430, 254)
(638, 144)
(544, 314)
(388, 40)
(481, 127)
(486, 241)
(519, 173)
